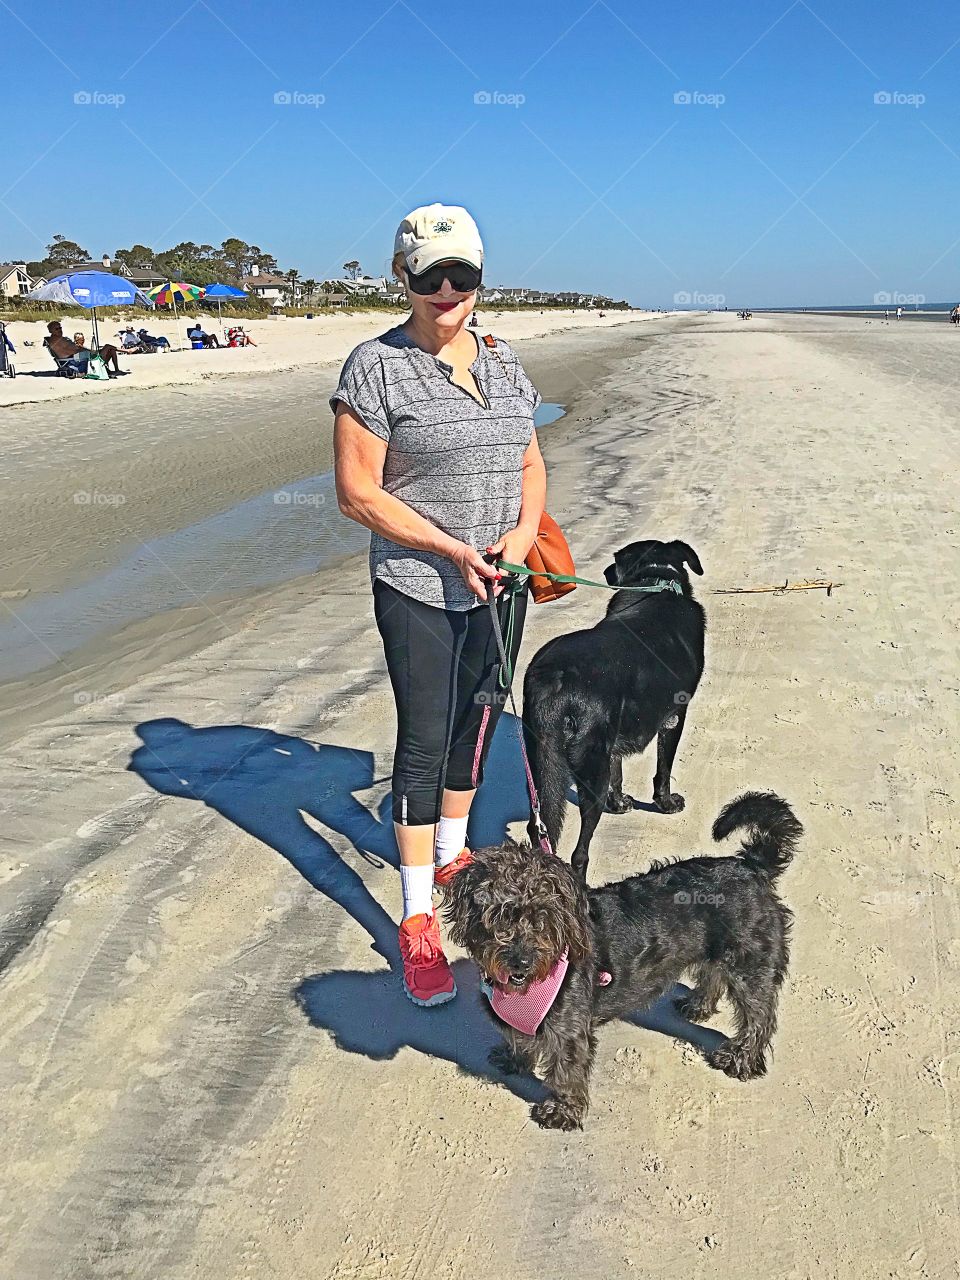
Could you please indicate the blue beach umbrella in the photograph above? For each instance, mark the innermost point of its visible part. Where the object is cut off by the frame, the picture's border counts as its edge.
(91, 289)
(220, 293)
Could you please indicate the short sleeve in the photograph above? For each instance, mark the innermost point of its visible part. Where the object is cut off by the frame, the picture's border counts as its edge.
(518, 376)
(361, 388)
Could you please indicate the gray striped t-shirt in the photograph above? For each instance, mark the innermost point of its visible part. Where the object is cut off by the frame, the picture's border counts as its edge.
(457, 462)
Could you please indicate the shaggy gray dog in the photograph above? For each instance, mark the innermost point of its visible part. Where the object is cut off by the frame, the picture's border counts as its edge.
(515, 909)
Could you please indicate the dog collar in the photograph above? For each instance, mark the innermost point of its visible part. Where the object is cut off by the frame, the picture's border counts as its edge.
(660, 584)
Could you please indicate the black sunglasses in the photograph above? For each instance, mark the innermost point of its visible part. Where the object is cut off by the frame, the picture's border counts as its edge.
(463, 278)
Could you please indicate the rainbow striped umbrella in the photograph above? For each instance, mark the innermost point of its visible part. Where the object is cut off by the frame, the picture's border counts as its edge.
(166, 294)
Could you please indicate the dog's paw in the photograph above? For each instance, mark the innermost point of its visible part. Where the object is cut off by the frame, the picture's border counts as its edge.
(503, 1059)
(670, 802)
(733, 1061)
(554, 1113)
(620, 803)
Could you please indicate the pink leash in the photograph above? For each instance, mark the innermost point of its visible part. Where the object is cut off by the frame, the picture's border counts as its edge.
(525, 1010)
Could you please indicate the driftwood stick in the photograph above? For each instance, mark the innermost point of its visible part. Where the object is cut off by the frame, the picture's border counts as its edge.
(816, 584)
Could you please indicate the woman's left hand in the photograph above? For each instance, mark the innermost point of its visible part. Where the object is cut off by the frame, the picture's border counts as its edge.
(514, 546)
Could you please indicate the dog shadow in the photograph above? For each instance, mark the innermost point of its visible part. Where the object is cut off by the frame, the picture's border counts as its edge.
(664, 1018)
(459, 1032)
(367, 1013)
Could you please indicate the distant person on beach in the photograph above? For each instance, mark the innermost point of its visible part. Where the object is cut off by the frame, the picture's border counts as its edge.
(436, 453)
(196, 334)
(899, 313)
(237, 338)
(77, 353)
(130, 341)
(955, 314)
(149, 341)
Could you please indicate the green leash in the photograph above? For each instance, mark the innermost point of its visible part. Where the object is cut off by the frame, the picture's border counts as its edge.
(658, 584)
(505, 676)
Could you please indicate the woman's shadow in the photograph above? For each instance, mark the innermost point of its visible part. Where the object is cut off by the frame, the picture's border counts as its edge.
(266, 782)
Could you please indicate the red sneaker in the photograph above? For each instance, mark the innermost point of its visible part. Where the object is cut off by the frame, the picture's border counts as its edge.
(443, 875)
(427, 978)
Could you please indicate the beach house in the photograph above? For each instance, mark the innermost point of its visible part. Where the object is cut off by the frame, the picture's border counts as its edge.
(267, 285)
(14, 280)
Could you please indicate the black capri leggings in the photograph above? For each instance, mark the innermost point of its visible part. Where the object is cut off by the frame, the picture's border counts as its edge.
(444, 667)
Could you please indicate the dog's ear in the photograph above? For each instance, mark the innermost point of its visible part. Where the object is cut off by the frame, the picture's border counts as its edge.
(682, 553)
(572, 910)
(463, 895)
(623, 561)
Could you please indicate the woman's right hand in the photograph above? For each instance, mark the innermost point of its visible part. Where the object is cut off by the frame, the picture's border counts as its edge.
(476, 572)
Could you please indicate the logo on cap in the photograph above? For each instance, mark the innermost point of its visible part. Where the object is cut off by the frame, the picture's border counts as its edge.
(441, 226)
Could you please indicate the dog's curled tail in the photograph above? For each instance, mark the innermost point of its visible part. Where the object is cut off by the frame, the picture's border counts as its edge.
(774, 830)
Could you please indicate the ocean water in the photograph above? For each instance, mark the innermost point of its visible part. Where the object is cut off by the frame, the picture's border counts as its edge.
(288, 531)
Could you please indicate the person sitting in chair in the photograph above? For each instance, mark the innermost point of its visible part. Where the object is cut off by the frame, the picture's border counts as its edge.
(196, 334)
(149, 341)
(129, 340)
(237, 338)
(77, 354)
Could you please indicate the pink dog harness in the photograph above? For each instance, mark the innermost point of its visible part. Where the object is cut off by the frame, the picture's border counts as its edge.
(525, 1010)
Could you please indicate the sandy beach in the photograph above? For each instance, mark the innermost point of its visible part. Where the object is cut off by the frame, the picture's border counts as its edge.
(282, 343)
(210, 1067)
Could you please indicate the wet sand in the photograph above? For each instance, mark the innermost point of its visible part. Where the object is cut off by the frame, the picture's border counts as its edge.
(140, 506)
(210, 1067)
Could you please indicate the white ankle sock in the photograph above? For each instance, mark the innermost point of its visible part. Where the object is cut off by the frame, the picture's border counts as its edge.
(451, 838)
(417, 885)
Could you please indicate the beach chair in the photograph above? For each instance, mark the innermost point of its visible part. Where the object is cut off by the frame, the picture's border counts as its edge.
(66, 368)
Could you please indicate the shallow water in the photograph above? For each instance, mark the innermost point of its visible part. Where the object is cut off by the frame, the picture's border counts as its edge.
(268, 539)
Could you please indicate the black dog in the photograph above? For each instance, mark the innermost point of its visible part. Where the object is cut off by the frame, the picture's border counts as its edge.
(515, 909)
(592, 697)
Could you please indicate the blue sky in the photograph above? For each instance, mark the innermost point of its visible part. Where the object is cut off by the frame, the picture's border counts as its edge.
(782, 181)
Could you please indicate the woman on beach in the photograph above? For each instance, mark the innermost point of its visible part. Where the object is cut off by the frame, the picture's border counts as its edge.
(436, 453)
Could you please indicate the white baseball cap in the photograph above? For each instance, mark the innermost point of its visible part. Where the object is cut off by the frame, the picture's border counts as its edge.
(438, 233)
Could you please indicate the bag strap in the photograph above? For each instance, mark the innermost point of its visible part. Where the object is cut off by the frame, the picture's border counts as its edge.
(490, 341)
